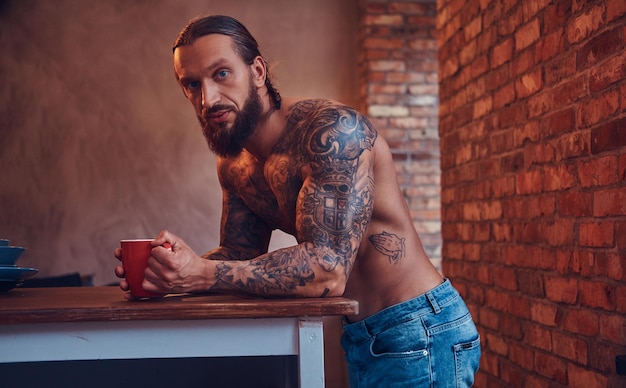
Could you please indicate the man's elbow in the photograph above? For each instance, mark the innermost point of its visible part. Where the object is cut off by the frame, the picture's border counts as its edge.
(334, 288)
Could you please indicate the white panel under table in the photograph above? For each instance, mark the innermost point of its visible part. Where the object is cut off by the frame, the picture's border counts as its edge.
(96, 323)
(148, 339)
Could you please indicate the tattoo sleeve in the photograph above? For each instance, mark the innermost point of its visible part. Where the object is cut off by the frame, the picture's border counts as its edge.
(336, 200)
(328, 148)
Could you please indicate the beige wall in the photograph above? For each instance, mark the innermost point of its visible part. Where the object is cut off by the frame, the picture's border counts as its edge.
(99, 144)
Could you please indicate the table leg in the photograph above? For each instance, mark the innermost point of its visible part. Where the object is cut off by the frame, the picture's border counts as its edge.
(311, 352)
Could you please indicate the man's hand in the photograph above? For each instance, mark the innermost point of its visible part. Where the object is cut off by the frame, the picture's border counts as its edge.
(173, 269)
(177, 269)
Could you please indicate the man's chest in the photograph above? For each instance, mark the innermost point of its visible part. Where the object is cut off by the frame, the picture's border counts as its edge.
(271, 189)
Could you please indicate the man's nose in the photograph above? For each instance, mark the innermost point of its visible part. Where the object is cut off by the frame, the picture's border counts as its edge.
(210, 96)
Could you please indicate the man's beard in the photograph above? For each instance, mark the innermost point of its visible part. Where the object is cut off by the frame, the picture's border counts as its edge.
(227, 142)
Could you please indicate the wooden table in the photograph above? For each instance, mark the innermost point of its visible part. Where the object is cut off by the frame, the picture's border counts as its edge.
(95, 323)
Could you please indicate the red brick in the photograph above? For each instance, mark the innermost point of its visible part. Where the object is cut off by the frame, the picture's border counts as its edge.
(610, 202)
(570, 347)
(615, 9)
(551, 367)
(502, 53)
(489, 363)
(585, 378)
(598, 109)
(572, 145)
(483, 107)
(583, 263)
(473, 28)
(559, 177)
(596, 234)
(558, 122)
(510, 373)
(529, 84)
(527, 34)
(600, 48)
(583, 322)
(609, 136)
(538, 153)
(561, 290)
(602, 359)
(613, 328)
(505, 278)
(528, 232)
(497, 344)
(605, 74)
(596, 295)
(482, 232)
(538, 337)
(574, 203)
(488, 319)
(507, 25)
(612, 265)
(501, 186)
(559, 232)
(560, 68)
(556, 15)
(528, 182)
(530, 282)
(502, 142)
(384, 19)
(383, 43)
(523, 62)
(621, 299)
(598, 172)
(521, 355)
(550, 46)
(531, 8)
(504, 96)
(584, 25)
(545, 314)
(411, 8)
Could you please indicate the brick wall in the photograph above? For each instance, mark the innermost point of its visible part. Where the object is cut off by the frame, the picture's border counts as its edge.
(533, 140)
(399, 89)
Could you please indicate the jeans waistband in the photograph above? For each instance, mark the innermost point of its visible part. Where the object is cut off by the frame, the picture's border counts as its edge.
(429, 302)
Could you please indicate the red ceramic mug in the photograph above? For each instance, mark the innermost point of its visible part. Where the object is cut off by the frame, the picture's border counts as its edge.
(135, 255)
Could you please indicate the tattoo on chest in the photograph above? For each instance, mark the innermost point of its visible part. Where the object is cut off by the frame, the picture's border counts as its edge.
(389, 245)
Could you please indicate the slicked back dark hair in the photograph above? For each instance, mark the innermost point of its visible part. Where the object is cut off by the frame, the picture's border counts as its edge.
(245, 44)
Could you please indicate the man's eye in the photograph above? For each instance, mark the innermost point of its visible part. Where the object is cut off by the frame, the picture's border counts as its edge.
(222, 74)
(192, 85)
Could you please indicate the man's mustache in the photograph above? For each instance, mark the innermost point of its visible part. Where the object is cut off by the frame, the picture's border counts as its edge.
(216, 108)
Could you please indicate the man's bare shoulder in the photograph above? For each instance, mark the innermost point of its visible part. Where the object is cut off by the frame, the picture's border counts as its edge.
(323, 128)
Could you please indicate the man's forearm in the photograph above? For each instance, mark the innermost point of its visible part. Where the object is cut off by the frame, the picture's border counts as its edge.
(291, 271)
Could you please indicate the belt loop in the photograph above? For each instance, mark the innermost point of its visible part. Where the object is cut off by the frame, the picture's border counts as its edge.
(433, 302)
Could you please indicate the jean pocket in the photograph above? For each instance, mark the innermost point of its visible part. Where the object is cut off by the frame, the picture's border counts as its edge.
(466, 360)
(406, 339)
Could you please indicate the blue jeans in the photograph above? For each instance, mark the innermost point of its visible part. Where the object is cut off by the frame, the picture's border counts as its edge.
(429, 341)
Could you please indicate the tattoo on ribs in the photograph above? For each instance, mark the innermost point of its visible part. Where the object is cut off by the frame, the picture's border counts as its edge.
(389, 245)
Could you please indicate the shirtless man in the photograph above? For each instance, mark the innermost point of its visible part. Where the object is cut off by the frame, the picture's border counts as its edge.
(318, 170)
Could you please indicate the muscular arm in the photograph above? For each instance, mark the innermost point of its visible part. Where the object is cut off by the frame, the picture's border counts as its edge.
(332, 149)
(243, 234)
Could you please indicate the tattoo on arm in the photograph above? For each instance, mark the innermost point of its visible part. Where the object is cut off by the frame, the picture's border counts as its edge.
(277, 272)
(389, 245)
(336, 202)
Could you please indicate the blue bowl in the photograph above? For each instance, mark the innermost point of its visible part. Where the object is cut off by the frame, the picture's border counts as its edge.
(9, 255)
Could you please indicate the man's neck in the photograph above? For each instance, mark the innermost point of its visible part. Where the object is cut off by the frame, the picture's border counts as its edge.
(268, 131)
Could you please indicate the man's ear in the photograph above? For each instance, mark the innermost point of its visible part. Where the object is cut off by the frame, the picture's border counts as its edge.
(259, 71)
